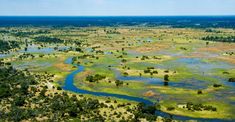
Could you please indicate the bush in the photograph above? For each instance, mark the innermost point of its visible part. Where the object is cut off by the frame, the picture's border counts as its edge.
(166, 77)
(118, 83)
(19, 101)
(217, 85)
(231, 80)
(59, 88)
(45, 39)
(125, 74)
(147, 71)
(199, 92)
(95, 78)
(8, 45)
(170, 108)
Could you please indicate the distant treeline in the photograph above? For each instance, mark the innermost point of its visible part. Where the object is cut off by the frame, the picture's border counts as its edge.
(212, 31)
(26, 34)
(8, 45)
(173, 21)
(4, 31)
(219, 38)
(45, 39)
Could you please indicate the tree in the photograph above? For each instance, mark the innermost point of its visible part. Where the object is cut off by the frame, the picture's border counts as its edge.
(78, 49)
(43, 92)
(231, 80)
(124, 60)
(19, 101)
(166, 77)
(199, 92)
(155, 72)
(59, 88)
(118, 83)
(125, 74)
(4, 90)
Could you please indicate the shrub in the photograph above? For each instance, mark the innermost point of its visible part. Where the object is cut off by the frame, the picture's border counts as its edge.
(170, 108)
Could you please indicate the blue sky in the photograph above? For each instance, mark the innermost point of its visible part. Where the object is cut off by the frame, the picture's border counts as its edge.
(116, 7)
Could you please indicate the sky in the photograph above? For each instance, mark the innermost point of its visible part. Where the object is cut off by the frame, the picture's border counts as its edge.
(116, 7)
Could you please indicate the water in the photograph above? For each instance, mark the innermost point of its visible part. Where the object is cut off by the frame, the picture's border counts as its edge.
(189, 83)
(3, 55)
(149, 40)
(35, 49)
(197, 63)
(45, 50)
(89, 50)
(69, 85)
(225, 82)
(31, 65)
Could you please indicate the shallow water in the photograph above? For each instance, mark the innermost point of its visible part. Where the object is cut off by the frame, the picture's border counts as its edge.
(34, 49)
(32, 65)
(3, 55)
(200, 65)
(189, 83)
(45, 50)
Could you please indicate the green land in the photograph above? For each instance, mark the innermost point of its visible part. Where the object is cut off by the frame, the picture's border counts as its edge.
(182, 70)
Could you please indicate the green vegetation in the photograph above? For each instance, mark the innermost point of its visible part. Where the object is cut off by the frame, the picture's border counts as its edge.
(27, 34)
(16, 87)
(45, 39)
(8, 45)
(220, 39)
(199, 107)
(95, 78)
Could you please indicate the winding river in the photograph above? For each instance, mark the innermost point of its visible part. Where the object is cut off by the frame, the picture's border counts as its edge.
(69, 86)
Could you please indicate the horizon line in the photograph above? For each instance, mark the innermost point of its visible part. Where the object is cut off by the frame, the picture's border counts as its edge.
(113, 15)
